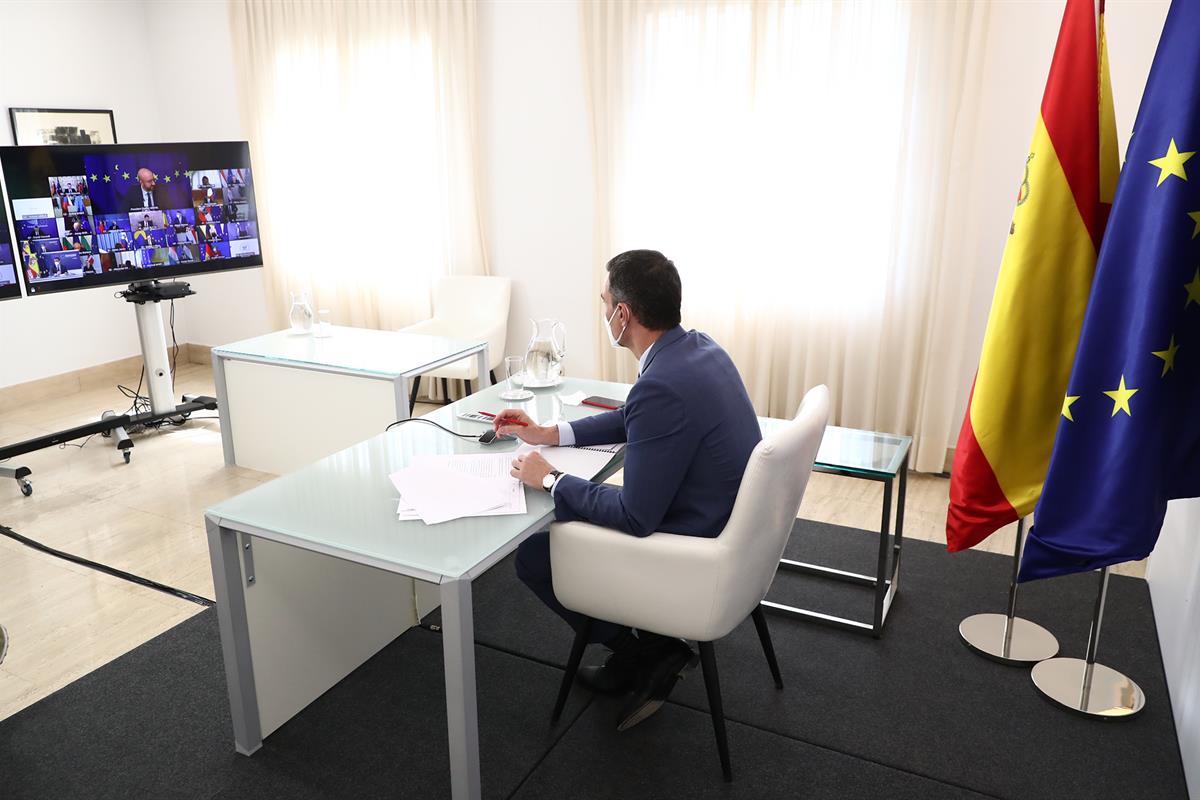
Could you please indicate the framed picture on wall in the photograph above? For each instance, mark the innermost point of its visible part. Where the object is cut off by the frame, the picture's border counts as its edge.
(63, 126)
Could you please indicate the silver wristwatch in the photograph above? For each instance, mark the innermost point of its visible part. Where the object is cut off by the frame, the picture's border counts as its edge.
(551, 479)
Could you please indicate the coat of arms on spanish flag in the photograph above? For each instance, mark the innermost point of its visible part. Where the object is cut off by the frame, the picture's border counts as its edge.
(1041, 294)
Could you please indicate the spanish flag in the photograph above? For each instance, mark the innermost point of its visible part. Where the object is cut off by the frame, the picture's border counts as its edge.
(1042, 291)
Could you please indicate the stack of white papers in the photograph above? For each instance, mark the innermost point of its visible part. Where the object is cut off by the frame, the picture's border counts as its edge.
(438, 489)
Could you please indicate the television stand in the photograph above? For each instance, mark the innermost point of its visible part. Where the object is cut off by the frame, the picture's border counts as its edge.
(145, 295)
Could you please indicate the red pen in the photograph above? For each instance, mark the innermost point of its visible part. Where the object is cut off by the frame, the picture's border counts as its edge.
(514, 422)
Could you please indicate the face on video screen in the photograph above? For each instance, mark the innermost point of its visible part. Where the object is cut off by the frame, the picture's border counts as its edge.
(9, 287)
(83, 212)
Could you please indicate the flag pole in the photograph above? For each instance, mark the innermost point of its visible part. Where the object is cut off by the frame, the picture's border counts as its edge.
(1007, 638)
(1086, 687)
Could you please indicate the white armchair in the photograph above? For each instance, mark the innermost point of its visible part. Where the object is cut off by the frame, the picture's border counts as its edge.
(467, 307)
(691, 587)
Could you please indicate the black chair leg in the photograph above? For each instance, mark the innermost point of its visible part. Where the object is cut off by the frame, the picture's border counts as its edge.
(467, 384)
(577, 648)
(708, 661)
(764, 636)
(492, 374)
(445, 392)
(412, 398)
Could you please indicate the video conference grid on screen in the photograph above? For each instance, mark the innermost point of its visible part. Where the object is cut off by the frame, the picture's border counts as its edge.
(124, 211)
(9, 287)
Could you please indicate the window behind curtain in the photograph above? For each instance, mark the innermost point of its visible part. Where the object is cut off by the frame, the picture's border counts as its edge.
(363, 132)
(802, 162)
(761, 153)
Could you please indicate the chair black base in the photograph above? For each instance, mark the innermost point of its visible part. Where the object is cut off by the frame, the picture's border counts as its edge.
(712, 682)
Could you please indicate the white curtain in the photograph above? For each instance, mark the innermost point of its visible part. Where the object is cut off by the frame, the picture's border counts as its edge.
(801, 162)
(362, 120)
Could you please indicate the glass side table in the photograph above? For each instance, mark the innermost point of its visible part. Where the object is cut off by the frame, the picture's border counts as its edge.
(869, 456)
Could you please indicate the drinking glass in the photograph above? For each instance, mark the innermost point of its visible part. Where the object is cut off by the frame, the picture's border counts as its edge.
(323, 328)
(514, 366)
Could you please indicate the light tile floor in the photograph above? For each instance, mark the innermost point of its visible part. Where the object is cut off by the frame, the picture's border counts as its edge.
(146, 517)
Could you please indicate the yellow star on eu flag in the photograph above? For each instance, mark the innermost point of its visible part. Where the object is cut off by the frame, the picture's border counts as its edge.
(124, 176)
(1069, 401)
(1193, 290)
(107, 179)
(177, 175)
(93, 176)
(1195, 215)
(1171, 163)
(1120, 397)
(167, 179)
(1168, 356)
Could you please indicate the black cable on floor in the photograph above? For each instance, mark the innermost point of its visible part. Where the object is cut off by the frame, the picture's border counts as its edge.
(116, 573)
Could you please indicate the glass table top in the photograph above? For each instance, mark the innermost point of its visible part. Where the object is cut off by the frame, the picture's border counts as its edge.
(854, 451)
(345, 505)
(384, 353)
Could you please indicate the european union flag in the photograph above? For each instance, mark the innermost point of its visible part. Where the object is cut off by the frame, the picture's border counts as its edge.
(1129, 436)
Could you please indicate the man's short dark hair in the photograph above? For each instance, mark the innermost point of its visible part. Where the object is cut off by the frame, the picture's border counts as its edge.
(648, 283)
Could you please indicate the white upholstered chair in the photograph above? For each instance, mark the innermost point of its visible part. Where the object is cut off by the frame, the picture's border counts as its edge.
(466, 307)
(691, 587)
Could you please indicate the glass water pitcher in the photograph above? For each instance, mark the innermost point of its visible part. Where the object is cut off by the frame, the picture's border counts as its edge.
(547, 348)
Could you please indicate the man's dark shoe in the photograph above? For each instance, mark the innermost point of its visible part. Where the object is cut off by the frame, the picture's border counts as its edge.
(661, 664)
(616, 675)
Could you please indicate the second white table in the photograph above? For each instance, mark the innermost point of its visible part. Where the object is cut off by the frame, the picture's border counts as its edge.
(288, 399)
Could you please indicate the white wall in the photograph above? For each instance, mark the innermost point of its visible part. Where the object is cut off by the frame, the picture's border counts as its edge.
(50, 334)
(80, 329)
(230, 305)
(539, 197)
(1174, 575)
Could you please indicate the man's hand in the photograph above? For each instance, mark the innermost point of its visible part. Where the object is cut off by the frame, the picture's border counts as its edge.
(515, 422)
(530, 469)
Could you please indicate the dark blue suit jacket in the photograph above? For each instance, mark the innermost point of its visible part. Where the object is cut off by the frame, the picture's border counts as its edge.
(690, 428)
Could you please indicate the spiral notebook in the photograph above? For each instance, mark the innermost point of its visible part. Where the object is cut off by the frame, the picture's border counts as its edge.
(583, 462)
(602, 448)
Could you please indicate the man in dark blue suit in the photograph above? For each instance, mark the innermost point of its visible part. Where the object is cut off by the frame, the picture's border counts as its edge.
(689, 428)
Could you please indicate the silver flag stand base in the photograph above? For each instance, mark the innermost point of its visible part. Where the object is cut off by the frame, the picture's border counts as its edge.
(1085, 687)
(1007, 638)
(1090, 689)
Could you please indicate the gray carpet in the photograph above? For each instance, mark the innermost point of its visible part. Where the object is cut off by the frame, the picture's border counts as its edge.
(912, 715)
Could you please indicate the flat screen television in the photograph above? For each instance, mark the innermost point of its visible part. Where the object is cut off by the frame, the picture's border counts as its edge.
(9, 288)
(94, 215)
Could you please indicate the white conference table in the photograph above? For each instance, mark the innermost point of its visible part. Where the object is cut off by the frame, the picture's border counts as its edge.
(287, 399)
(314, 573)
(310, 569)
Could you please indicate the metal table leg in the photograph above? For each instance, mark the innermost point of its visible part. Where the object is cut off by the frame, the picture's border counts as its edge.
(225, 548)
(882, 584)
(223, 408)
(401, 386)
(462, 714)
(886, 580)
(483, 371)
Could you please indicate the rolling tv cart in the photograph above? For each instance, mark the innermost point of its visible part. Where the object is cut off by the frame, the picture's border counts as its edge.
(21, 474)
(145, 295)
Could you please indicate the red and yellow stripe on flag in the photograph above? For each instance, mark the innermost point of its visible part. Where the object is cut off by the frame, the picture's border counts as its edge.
(1042, 291)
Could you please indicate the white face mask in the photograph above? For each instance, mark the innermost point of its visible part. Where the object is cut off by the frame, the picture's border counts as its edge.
(615, 341)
